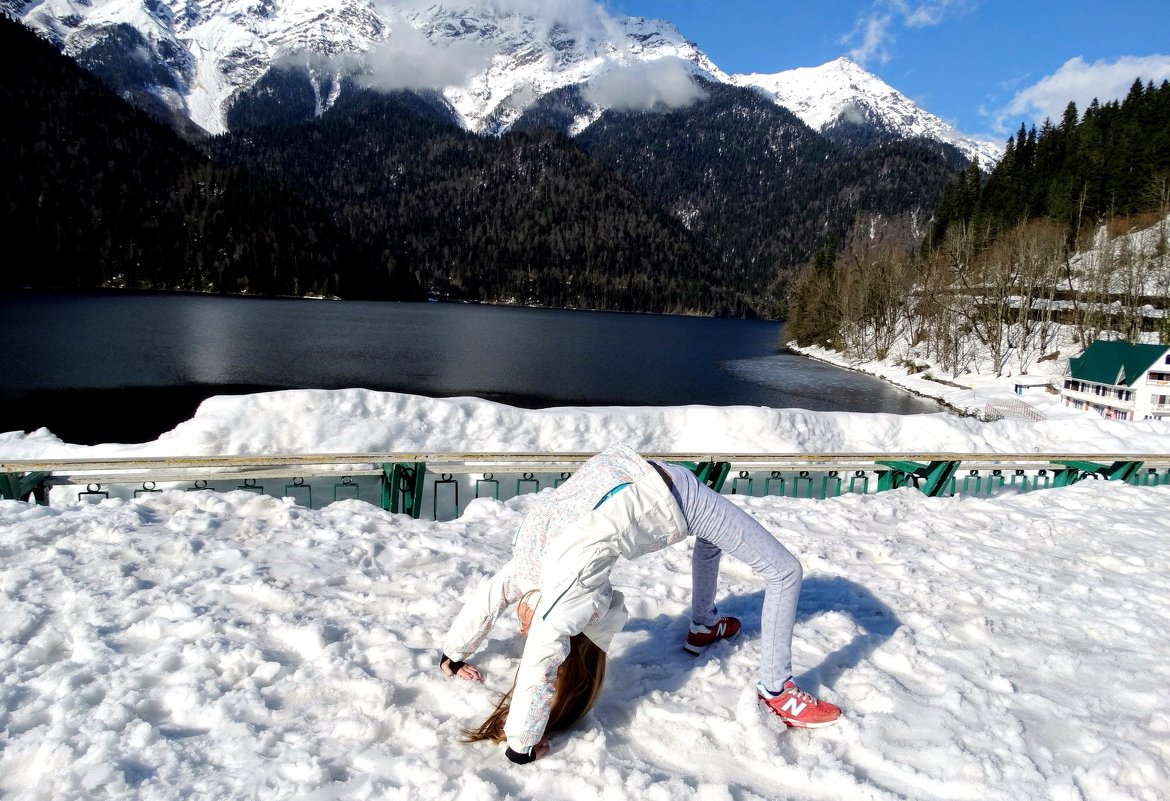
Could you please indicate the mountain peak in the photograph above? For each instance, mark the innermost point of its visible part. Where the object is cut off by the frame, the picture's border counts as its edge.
(491, 60)
(840, 92)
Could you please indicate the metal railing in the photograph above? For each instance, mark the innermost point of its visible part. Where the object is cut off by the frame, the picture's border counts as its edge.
(399, 482)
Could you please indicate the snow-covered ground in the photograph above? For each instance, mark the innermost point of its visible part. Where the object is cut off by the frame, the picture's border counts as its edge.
(233, 646)
(970, 391)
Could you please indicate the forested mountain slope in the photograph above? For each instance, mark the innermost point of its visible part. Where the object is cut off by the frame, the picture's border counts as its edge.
(98, 194)
(526, 217)
(764, 190)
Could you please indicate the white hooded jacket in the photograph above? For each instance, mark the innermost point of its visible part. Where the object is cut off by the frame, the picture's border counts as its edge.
(615, 505)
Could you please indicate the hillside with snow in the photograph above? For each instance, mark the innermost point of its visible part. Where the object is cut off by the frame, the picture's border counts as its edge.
(491, 61)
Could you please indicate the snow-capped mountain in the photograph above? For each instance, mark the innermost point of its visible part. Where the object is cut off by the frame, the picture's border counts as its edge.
(526, 57)
(491, 59)
(196, 56)
(842, 93)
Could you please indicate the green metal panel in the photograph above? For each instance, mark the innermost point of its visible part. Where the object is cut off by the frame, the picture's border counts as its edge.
(902, 474)
(746, 478)
(347, 489)
(528, 479)
(972, 478)
(490, 480)
(1076, 470)
(18, 486)
(298, 487)
(933, 479)
(444, 478)
(94, 490)
(147, 487)
(1021, 478)
(995, 482)
(713, 474)
(1146, 479)
(402, 487)
(859, 475)
(804, 477)
(250, 485)
(775, 476)
(938, 475)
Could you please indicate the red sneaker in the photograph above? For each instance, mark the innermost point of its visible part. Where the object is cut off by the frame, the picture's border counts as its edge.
(797, 708)
(699, 637)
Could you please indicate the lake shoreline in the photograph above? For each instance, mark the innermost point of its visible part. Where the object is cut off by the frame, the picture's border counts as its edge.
(122, 366)
(944, 398)
(968, 399)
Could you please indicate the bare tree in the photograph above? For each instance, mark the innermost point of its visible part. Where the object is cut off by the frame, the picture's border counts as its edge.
(875, 277)
(1084, 314)
(1038, 248)
(1090, 285)
(943, 296)
(1159, 258)
(1128, 287)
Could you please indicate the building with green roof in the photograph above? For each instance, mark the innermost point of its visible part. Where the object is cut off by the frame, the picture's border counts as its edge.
(1120, 380)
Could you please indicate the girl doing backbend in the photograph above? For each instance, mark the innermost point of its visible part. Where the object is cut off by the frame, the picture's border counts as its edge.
(619, 505)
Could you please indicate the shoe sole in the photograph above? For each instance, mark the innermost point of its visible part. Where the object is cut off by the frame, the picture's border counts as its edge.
(696, 650)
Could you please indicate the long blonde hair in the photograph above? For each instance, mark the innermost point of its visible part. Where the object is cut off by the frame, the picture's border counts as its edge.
(575, 690)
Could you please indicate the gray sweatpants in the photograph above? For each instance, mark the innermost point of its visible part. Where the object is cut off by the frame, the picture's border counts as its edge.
(718, 526)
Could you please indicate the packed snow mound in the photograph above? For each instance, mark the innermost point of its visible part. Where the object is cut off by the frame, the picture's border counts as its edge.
(365, 421)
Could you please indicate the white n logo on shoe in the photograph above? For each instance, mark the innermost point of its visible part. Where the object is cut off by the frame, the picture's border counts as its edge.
(793, 707)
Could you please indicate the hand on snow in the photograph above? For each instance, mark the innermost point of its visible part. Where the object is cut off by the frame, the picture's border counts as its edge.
(464, 671)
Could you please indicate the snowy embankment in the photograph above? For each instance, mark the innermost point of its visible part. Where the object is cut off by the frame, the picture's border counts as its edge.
(197, 644)
(363, 421)
(971, 391)
(977, 389)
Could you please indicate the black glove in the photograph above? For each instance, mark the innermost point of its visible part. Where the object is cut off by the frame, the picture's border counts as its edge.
(521, 757)
(451, 664)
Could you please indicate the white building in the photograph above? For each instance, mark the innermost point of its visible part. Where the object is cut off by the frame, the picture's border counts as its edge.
(1120, 380)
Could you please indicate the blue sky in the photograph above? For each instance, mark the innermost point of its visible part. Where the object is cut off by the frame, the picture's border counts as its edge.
(984, 66)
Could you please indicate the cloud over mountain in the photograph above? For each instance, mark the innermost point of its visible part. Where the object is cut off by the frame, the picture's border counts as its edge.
(408, 60)
(664, 83)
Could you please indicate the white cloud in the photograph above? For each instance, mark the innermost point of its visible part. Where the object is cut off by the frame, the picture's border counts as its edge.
(573, 13)
(662, 83)
(932, 12)
(876, 40)
(874, 35)
(408, 60)
(1080, 82)
(577, 15)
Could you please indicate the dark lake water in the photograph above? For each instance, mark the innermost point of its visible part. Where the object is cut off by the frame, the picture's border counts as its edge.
(126, 367)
